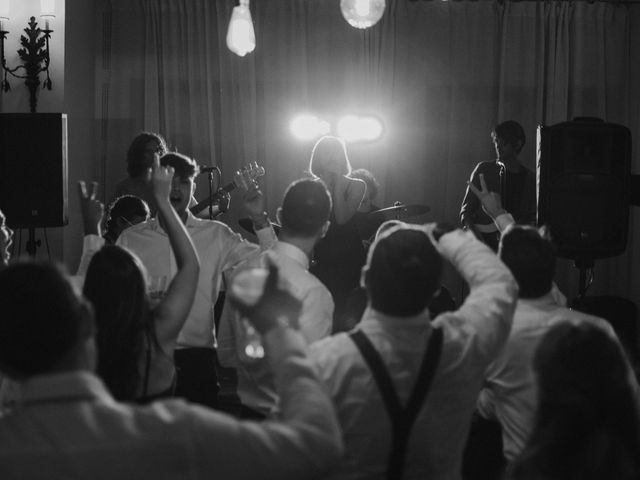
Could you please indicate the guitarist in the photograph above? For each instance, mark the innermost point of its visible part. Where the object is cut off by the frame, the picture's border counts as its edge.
(505, 175)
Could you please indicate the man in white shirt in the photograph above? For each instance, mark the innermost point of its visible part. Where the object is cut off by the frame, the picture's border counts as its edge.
(509, 394)
(69, 426)
(219, 249)
(422, 431)
(304, 217)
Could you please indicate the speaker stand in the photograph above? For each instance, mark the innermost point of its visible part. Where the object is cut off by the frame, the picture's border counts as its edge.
(32, 243)
(583, 264)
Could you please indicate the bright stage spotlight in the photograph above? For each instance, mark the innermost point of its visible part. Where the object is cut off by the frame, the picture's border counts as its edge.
(308, 127)
(359, 129)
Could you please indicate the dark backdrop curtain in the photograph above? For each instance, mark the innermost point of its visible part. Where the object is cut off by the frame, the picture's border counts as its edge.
(439, 74)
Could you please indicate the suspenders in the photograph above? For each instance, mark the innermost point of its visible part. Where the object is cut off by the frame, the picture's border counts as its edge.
(402, 418)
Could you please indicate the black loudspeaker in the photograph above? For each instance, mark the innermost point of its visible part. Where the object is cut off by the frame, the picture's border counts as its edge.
(584, 174)
(33, 169)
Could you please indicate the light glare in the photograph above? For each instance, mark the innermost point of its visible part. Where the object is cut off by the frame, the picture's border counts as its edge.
(308, 127)
(359, 129)
(241, 38)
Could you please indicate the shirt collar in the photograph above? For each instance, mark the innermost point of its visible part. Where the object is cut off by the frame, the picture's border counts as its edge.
(66, 386)
(375, 318)
(293, 252)
(547, 300)
(154, 223)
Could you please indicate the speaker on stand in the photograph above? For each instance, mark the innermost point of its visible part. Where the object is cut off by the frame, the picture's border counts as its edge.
(584, 196)
(33, 171)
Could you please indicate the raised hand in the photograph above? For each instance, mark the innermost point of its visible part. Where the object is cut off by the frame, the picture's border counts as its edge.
(491, 201)
(91, 209)
(161, 178)
(275, 307)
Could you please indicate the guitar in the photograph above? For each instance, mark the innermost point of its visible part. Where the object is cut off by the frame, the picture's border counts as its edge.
(245, 178)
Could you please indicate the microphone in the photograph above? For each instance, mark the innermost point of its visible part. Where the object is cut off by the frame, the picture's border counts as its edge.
(208, 169)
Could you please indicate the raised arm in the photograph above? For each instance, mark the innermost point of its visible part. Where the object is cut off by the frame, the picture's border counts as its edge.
(347, 195)
(92, 211)
(487, 312)
(172, 311)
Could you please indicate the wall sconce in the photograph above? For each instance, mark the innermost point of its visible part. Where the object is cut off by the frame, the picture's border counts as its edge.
(34, 52)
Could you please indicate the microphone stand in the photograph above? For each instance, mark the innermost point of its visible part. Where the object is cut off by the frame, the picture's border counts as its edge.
(210, 171)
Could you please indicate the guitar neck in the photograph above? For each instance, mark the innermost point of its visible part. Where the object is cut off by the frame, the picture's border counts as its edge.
(204, 204)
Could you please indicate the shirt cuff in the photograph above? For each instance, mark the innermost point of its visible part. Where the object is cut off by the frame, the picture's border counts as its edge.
(504, 220)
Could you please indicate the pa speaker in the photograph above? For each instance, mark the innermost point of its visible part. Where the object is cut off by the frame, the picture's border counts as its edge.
(583, 176)
(33, 169)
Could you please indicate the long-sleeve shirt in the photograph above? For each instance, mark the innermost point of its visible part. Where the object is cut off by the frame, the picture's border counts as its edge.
(69, 426)
(509, 394)
(219, 249)
(473, 335)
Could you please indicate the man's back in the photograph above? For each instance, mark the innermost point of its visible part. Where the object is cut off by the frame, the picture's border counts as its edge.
(255, 376)
(509, 395)
(472, 337)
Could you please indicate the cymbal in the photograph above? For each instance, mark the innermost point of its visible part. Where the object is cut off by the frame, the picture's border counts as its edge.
(247, 225)
(401, 211)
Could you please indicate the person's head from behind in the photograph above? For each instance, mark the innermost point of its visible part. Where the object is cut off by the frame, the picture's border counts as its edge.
(305, 209)
(116, 286)
(531, 257)
(6, 239)
(508, 139)
(141, 151)
(372, 185)
(580, 367)
(45, 327)
(402, 272)
(124, 212)
(183, 184)
(329, 157)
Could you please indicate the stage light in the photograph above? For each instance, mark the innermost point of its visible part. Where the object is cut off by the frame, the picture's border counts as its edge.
(309, 127)
(241, 39)
(359, 129)
(362, 13)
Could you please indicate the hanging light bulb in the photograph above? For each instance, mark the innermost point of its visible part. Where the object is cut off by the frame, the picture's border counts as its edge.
(362, 13)
(241, 38)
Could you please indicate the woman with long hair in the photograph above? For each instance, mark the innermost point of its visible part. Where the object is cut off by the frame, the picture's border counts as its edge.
(136, 339)
(587, 423)
(340, 255)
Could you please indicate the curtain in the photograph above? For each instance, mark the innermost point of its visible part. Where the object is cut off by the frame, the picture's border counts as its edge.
(439, 74)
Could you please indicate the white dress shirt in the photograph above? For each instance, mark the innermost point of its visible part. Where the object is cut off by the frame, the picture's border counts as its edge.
(472, 337)
(69, 427)
(255, 378)
(509, 394)
(219, 249)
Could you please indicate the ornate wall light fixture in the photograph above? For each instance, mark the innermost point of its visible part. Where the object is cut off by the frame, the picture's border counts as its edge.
(34, 52)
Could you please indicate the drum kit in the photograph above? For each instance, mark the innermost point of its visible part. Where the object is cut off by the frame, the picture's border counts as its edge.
(370, 221)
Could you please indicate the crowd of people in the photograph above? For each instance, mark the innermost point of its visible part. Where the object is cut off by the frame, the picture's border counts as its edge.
(112, 372)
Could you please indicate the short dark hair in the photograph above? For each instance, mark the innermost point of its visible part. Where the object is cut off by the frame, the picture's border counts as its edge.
(511, 132)
(306, 207)
(183, 166)
(367, 177)
(137, 164)
(127, 207)
(402, 272)
(531, 257)
(42, 318)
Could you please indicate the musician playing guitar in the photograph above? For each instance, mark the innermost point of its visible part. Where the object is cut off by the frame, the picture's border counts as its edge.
(505, 175)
